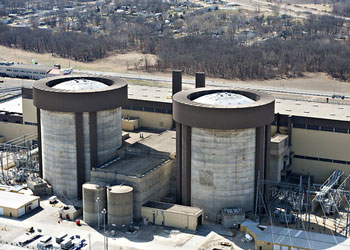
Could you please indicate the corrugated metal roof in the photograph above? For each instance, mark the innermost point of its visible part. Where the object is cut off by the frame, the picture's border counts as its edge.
(303, 239)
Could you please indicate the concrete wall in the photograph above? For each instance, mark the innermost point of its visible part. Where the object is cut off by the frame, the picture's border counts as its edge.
(130, 124)
(223, 165)
(321, 144)
(29, 111)
(150, 119)
(15, 213)
(9, 212)
(153, 186)
(109, 134)
(14, 130)
(59, 152)
(170, 219)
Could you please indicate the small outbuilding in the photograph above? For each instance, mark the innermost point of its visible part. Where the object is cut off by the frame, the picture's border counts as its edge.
(172, 215)
(15, 204)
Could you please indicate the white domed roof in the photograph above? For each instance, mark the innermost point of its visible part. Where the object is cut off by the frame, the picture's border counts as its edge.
(80, 84)
(224, 99)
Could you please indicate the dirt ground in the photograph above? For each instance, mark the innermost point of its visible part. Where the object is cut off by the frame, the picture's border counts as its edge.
(113, 63)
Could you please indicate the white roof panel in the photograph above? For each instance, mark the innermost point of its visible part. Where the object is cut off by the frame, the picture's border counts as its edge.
(15, 200)
(14, 105)
(224, 99)
(80, 84)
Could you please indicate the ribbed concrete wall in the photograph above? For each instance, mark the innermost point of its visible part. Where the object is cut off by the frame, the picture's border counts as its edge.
(59, 146)
(109, 133)
(92, 208)
(222, 175)
(120, 205)
(59, 152)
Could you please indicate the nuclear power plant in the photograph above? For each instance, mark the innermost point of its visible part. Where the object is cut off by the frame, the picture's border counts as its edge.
(122, 156)
(221, 135)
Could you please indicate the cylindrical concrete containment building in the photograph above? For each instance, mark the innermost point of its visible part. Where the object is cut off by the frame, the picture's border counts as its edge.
(94, 200)
(223, 137)
(120, 205)
(79, 128)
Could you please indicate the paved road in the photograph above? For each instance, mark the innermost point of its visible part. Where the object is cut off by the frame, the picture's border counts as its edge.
(190, 83)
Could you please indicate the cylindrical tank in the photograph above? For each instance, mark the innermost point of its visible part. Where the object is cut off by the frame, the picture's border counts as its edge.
(80, 128)
(94, 200)
(120, 205)
(223, 164)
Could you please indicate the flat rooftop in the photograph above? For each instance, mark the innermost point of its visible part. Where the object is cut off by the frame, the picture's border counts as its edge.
(277, 138)
(317, 108)
(142, 155)
(163, 142)
(173, 208)
(135, 165)
(14, 105)
(37, 67)
(330, 111)
(304, 108)
(15, 200)
(150, 93)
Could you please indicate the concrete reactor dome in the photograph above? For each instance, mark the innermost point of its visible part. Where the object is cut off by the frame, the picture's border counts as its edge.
(79, 127)
(223, 136)
(224, 99)
(80, 84)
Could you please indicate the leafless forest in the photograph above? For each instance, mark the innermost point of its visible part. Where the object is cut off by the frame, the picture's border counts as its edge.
(223, 43)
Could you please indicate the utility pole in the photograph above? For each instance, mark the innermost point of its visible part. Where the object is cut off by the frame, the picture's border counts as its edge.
(104, 212)
(98, 212)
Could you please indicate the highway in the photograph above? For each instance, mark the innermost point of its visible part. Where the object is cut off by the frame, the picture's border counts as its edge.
(212, 83)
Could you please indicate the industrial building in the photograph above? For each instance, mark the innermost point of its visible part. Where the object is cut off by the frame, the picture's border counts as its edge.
(179, 157)
(280, 238)
(172, 215)
(16, 205)
(30, 71)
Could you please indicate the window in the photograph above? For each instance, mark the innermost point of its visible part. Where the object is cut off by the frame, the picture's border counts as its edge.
(148, 109)
(326, 129)
(341, 130)
(312, 127)
(298, 125)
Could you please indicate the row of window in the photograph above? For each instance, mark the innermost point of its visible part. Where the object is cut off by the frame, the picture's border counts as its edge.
(314, 127)
(147, 109)
(23, 71)
(31, 123)
(321, 128)
(321, 159)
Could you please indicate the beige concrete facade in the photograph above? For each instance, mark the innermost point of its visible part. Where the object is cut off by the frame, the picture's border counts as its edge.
(15, 205)
(130, 123)
(29, 111)
(11, 130)
(150, 119)
(153, 185)
(172, 215)
(322, 144)
(317, 144)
